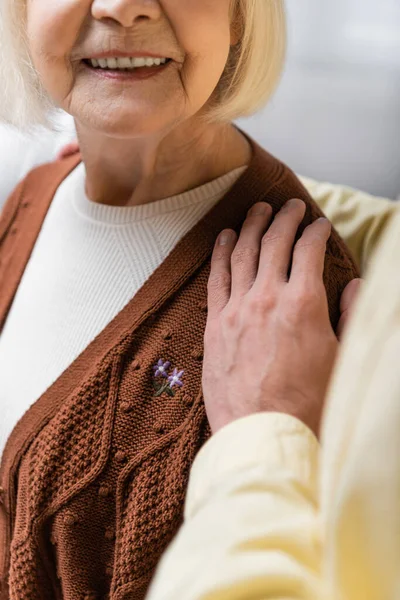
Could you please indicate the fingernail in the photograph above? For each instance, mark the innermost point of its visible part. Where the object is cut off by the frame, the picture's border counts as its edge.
(290, 204)
(258, 209)
(327, 223)
(224, 238)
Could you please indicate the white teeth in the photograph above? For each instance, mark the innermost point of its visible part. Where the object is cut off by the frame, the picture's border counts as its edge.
(112, 63)
(139, 62)
(126, 62)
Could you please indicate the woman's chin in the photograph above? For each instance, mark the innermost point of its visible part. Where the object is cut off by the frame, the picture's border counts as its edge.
(126, 124)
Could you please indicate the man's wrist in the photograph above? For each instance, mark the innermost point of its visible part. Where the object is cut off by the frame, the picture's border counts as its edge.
(276, 441)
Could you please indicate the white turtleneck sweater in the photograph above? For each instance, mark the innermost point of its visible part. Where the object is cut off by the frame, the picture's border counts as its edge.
(88, 262)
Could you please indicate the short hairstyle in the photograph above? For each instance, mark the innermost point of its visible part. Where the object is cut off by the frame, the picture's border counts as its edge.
(251, 75)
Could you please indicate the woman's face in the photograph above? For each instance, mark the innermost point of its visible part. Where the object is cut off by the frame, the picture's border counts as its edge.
(90, 55)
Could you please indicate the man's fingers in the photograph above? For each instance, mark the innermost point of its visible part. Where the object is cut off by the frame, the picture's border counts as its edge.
(309, 254)
(245, 257)
(277, 243)
(350, 295)
(347, 303)
(219, 283)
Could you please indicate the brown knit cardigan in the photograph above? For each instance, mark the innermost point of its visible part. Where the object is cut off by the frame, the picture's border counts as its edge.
(93, 477)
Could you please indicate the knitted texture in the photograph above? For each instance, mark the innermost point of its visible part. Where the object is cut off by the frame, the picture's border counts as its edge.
(88, 262)
(94, 475)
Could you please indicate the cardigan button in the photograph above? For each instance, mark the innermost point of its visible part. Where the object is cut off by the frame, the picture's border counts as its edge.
(2, 495)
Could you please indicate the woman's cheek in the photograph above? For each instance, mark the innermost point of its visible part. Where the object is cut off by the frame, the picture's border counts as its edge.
(202, 72)
(206, 52)
(54, 27)
(53, 30)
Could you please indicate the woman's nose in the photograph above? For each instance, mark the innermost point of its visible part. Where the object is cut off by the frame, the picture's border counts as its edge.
(126, 12)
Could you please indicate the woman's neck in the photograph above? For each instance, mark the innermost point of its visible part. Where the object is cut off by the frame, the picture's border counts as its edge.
(128, 172)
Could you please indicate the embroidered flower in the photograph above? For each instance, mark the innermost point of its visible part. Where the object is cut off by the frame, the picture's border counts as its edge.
(176, 378)
(161, 368)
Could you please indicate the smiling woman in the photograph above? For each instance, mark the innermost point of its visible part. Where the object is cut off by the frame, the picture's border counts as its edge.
(247, 81)
(104, 267)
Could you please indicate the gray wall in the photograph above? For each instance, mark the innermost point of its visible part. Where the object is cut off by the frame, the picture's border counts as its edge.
(336, 115)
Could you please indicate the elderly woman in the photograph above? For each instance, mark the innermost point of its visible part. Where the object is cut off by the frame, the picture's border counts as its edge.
(104, 265)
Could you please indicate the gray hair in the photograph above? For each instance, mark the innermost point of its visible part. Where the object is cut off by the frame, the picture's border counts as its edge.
(23, 101)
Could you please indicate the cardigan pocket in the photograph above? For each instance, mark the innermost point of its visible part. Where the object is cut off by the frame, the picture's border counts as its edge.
(150, 501)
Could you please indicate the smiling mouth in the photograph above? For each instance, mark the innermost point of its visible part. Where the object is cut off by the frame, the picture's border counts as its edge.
(126, 63)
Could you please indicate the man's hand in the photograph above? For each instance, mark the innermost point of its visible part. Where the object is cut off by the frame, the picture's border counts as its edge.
(269, 344)
(347, 304)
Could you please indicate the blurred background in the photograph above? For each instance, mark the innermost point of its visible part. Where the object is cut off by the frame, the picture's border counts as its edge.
(336, 115)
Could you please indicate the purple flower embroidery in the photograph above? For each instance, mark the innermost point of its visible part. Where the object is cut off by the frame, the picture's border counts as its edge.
(161, 368)
(176, 378)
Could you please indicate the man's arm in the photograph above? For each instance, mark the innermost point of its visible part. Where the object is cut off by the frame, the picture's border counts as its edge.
(257, 528)
(252, 529)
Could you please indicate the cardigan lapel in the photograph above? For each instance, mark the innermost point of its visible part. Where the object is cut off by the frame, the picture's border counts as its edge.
(186, 258)
(21, 223)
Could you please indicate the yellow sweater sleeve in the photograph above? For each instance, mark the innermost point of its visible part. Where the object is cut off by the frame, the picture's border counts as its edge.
(251, 528)
(265, 521)
(360, 219)
(360, 474)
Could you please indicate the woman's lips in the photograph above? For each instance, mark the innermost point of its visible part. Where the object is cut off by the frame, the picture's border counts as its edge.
(135, 74)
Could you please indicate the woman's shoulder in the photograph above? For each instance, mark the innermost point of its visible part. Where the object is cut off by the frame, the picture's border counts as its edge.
(276, 183)
(38, 187)
(276, 180)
